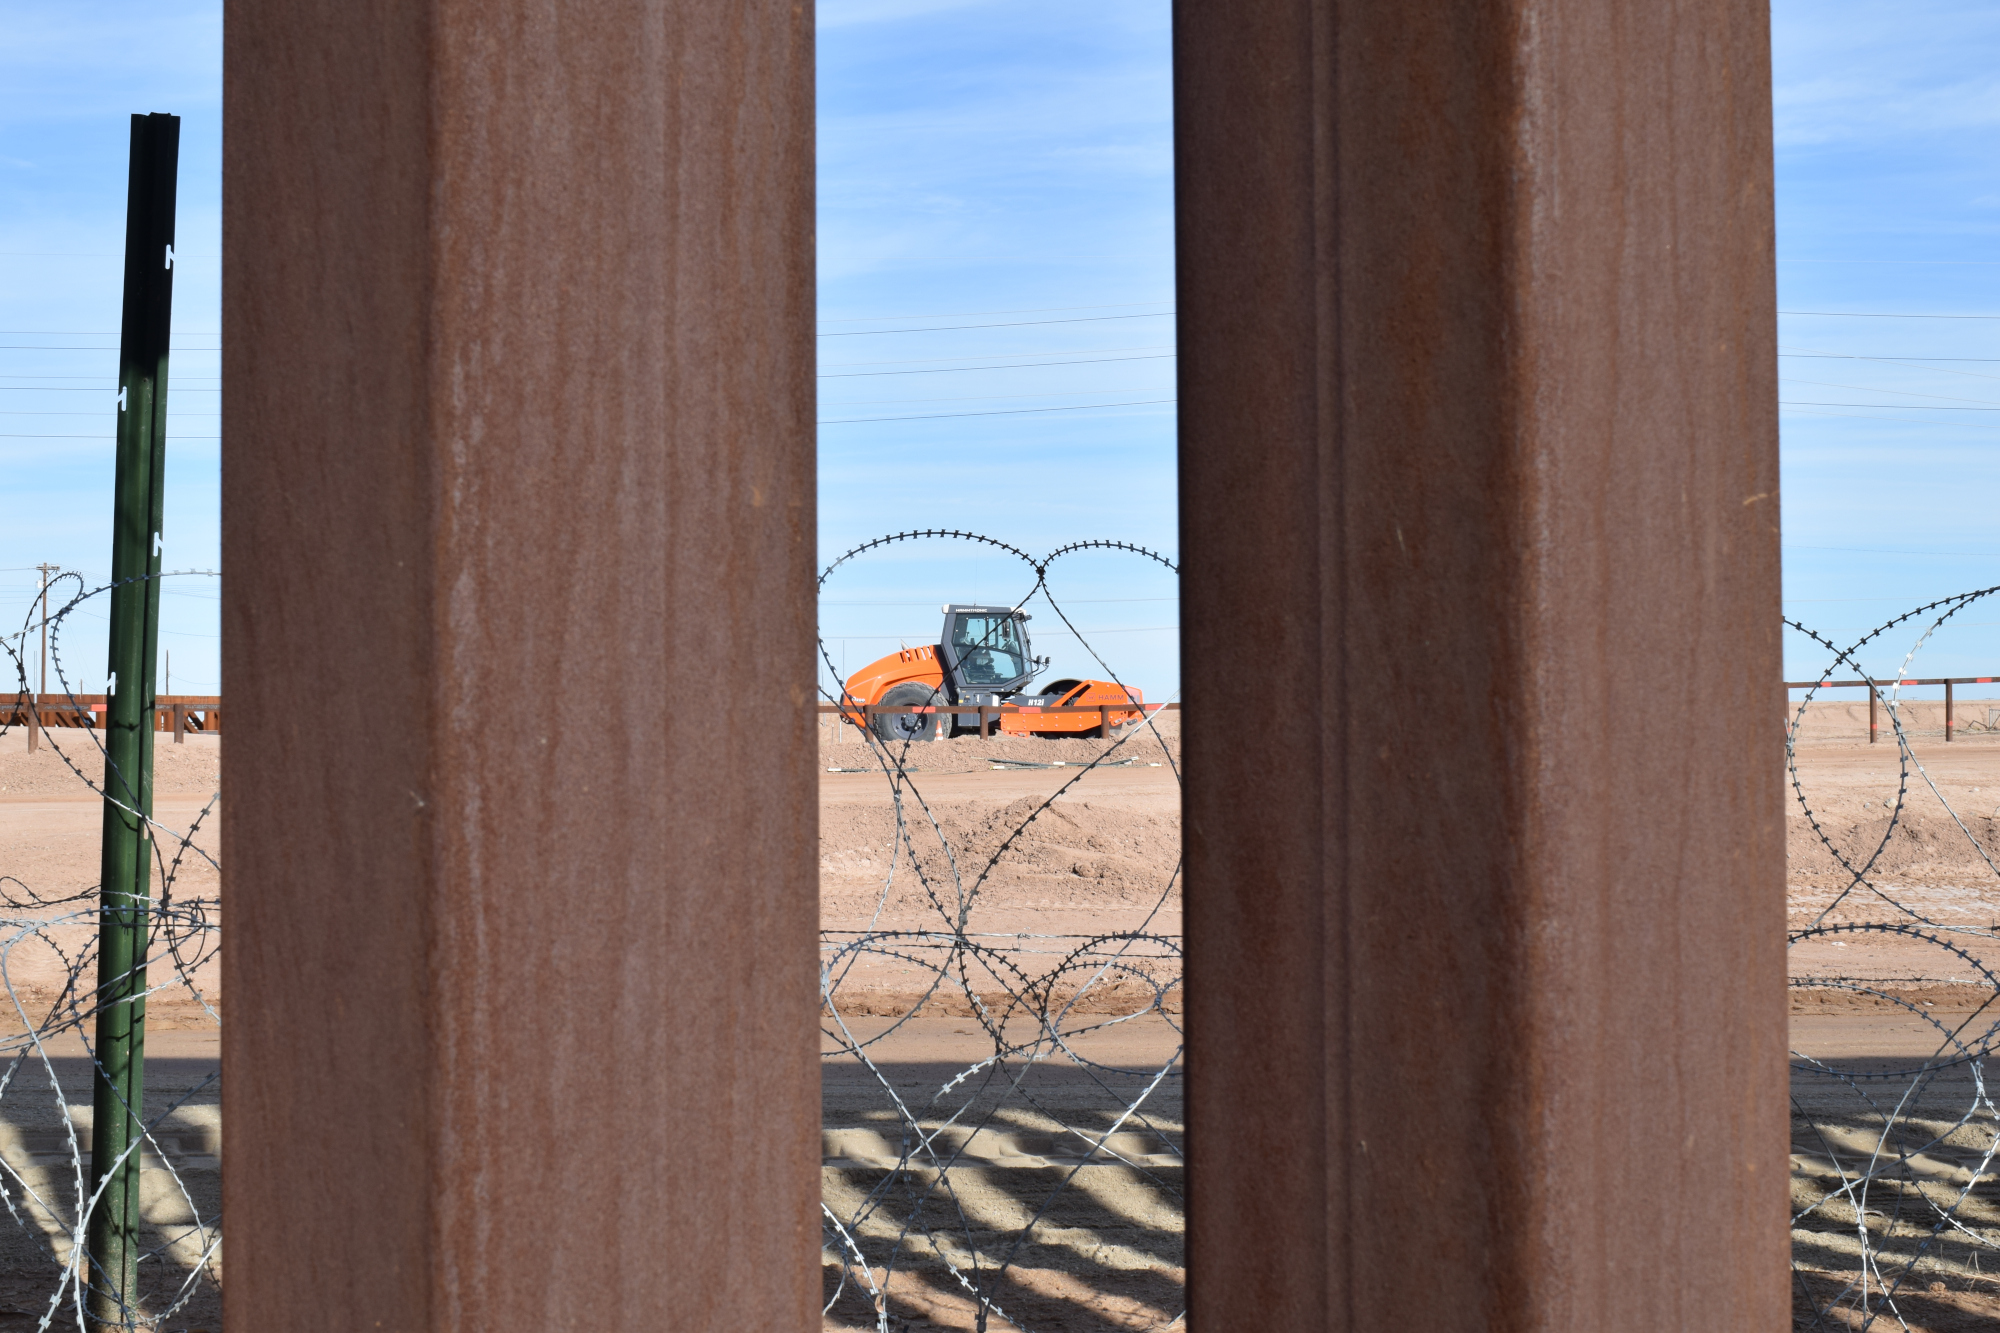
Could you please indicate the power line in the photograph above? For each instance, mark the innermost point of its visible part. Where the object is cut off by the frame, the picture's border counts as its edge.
(1904, 393)
(982, 356)
(1020, 324)
(1876, 314)
(944, 416)
(1870, 550)
(1067, 601)
(966, 398)
(1030, 365)
(78, 388)
(1913, 363)
(1891, 407)
(16, 412)
(1900, 421)
(969, 314)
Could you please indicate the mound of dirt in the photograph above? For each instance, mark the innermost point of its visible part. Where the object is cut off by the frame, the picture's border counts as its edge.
(193, 768)
(1840, 717)
(1924, 843)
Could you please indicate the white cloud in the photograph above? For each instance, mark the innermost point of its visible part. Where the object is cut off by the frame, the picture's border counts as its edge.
(1865, 73)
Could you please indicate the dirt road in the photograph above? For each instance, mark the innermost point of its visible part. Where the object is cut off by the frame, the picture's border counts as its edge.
(1021, 1134)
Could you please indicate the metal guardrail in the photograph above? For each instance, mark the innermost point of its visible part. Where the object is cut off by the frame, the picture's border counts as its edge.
(1874, 688)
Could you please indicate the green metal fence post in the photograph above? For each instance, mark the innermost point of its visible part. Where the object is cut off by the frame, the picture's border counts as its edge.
(118, 1093)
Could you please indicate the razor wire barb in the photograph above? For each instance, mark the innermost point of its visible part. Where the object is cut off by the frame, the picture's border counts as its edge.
(1894, 1182)
(987, 1154)
(48, 967)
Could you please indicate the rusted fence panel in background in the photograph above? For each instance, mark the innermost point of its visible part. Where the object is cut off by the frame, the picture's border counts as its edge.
(180, 714)
(1477, 395)
(204, 711)
(518, 315)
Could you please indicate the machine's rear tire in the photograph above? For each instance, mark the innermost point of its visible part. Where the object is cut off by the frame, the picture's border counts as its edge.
(896, 728)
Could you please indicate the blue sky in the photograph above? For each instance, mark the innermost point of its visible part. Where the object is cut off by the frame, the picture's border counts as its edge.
(71, 75)
(995, 286)
(1889, 205)
(1008, 167)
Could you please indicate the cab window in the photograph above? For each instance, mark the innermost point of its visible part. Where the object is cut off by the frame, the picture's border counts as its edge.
(988, 649)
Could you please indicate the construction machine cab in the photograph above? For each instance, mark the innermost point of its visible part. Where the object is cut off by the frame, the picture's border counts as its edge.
(986, 648)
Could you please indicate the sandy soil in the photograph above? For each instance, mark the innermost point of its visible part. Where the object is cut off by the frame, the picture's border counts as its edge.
(1002, 1094)
(42, 1136)
(1894, 906)
(975, 987)
(998, 851)
(49, 853)
(70, 755)
(1067, 1214)
(50, 833)
(1926, 839)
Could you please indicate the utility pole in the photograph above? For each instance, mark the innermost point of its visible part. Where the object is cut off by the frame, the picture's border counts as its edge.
(42, 687)
(45, 570)
(118, 1091)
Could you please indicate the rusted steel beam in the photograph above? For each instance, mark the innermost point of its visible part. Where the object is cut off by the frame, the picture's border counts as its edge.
(1477, 395)
(518, 311)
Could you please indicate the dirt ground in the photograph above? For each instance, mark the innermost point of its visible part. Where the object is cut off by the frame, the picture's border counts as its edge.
(1002, 1094)
(42, 1138)
(50, 831)
(1894, 908)
(1005, 989)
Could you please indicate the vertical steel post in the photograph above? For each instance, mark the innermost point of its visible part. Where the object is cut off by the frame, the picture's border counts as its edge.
(1871, 712)
(1947, 712)
(1420, 439)
(118, 1092)
(434, 156)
